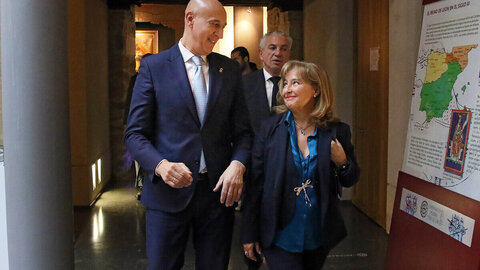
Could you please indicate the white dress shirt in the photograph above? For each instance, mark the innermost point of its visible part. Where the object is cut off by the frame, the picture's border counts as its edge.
(190, 66)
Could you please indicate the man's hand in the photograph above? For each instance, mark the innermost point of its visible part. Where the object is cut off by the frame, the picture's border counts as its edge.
(176, 175)
(249, 252)
(232, 181)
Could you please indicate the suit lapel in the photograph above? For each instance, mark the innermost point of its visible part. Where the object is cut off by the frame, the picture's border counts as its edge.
(215, 83)
(181, 83)
(286, 170)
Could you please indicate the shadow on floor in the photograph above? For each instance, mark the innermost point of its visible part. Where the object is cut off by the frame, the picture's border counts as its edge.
(111, 235)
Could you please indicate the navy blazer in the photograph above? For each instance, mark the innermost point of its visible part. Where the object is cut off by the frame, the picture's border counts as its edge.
(269, 202)
(163, 124)
(256, 96)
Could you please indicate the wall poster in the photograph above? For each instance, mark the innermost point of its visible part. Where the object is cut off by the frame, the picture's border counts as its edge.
(146, 41)
(443, 140)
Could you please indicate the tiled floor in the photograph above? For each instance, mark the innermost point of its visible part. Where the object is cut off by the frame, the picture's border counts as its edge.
(111, 235)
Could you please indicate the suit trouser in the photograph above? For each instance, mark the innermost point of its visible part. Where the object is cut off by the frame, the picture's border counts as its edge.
(280, 259)
(212, 226)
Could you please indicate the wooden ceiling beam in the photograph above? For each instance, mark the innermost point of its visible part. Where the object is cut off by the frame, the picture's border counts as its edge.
(284, 5)
(224, 2)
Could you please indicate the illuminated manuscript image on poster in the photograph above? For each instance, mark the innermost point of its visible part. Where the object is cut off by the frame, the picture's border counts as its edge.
(146, 41)
(443, 139)
(457, 141)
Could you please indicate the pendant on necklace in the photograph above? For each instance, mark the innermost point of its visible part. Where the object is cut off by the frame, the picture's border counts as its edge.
(302, 130)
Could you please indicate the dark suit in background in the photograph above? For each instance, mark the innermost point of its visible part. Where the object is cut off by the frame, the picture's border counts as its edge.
(256, 97)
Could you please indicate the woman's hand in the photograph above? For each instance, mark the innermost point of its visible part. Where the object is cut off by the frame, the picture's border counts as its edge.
(249, 252)
(337, 153)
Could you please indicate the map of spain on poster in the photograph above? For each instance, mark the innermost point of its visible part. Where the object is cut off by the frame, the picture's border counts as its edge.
(443, 140)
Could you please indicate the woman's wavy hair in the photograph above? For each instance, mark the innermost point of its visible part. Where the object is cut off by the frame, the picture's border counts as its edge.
(317, 77)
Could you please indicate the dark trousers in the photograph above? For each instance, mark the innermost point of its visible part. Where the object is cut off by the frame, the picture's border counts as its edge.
(212, 226)
(280, 259)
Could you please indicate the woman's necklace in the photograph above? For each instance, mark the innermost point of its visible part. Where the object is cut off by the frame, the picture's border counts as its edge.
(302, 129)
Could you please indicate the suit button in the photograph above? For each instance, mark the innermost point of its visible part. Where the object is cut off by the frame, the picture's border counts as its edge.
(197, 162)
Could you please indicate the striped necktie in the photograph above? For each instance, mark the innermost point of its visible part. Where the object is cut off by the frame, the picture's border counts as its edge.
(200, 94)
(199, 88)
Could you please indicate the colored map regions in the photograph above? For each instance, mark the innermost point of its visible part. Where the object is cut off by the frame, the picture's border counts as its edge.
(437, 65)
(437, 95)
(441, 74)
(460, 54)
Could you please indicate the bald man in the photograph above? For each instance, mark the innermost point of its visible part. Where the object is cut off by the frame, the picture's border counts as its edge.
(188, 129)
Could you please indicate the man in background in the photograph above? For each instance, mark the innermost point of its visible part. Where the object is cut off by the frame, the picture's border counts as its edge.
(261, 86)
(241, 55)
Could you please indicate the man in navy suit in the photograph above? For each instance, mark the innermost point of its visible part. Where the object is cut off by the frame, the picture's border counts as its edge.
(188, 130)
(261, 86)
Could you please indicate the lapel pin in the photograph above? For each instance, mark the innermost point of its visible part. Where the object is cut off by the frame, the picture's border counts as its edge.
(221, 70)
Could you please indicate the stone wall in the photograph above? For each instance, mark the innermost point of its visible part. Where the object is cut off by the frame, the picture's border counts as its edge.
(296, 32)
(121, 55)
(167, 15)
(291, 23)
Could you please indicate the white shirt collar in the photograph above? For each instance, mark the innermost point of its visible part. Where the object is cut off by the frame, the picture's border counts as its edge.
(266, 75)
(186, 54)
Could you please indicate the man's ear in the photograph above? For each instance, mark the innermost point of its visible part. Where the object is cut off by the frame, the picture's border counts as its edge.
(245, 59)
(189, 19)
(260, 51)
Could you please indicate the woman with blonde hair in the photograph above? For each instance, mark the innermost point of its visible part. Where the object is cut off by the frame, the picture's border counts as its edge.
(301, 159)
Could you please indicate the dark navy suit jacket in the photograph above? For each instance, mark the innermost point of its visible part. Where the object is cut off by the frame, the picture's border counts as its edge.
(256, 96)
(163, 124)
(269, 202)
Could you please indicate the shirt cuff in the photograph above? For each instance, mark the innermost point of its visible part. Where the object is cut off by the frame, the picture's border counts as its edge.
(158, 166)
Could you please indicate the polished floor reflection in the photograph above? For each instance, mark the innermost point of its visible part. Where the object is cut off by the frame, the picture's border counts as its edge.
(111, 235)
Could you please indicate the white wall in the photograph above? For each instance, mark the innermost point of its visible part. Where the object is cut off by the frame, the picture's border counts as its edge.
(404, 35)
